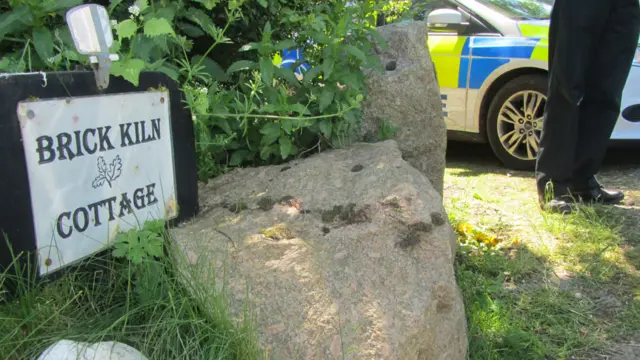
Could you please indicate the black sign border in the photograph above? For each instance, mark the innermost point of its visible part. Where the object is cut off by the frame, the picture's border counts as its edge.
(16, 216)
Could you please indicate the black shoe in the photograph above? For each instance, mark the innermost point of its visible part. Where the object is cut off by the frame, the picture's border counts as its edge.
(595, 193)
(601, 195)
(555, 198)
(557, 206)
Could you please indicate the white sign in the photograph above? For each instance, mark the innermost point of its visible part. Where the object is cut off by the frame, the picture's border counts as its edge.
(97, 165)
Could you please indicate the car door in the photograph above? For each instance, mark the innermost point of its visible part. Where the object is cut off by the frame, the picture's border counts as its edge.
(451, 54)
(451, 63)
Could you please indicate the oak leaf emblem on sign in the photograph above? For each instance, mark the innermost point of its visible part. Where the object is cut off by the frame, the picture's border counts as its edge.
(107, 173)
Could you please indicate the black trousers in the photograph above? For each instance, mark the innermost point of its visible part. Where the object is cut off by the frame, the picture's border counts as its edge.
(591, 47)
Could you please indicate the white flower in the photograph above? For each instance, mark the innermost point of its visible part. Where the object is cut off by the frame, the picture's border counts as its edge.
(204, 90)
(134, 10)
(51, 60)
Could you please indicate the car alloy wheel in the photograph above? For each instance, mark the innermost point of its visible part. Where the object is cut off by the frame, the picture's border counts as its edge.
(519, 124)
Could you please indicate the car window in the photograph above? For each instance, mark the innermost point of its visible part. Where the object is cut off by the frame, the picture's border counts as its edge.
(521, 9)
(424, 7)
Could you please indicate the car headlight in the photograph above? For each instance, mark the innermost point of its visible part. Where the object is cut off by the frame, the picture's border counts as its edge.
(636, 59)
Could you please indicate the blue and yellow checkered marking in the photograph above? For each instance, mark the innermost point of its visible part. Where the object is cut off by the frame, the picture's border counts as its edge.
(464, 62)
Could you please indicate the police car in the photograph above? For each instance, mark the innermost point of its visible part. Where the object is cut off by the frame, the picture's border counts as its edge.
(490, 58)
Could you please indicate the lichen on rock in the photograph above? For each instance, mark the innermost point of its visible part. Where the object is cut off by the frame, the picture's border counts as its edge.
(331, 275)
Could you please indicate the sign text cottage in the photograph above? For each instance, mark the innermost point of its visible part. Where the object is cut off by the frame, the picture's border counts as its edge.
(97, 165)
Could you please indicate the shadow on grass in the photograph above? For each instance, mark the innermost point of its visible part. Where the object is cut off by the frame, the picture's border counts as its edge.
(520, 306)
(478, 159)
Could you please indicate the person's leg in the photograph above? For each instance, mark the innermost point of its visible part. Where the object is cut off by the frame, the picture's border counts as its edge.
(600, 108)
(576, 27)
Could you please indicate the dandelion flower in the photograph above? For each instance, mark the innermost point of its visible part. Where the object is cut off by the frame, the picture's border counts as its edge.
(494, 241)
(465, 228)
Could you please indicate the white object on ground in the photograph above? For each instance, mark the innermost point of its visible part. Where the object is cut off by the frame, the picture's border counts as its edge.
(109, 350)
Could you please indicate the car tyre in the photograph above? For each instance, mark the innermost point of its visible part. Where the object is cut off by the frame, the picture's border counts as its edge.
(516, 92)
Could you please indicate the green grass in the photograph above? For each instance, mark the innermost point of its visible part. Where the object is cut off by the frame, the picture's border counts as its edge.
(548, 286)
(147, 306)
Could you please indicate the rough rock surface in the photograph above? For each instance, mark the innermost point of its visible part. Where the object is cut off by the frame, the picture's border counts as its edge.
(407, 94)
(347, 253)
(72, 350)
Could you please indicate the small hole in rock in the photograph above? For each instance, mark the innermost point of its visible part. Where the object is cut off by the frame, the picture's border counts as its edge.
(285, 168)
(391, 65)
(357, 168)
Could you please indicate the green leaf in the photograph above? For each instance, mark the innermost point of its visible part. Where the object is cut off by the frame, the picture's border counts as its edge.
(351, 80)
(190, 29)
(266, 68)
(212, 68)
(270, 132)
(356, 52)
(263, 3)
(266, 34)
(53, 6)
(128, 69)
(127, 29)
(5, 62)
(321, 38)
(71, 55)
(238, 157)
(327, 67)
(300, 109)
(287, 125)
(119, 251)
(223, 123)
(285, 146)
(144, 47)
(265, 152)
(241, 65)
(209, 4)
(43, 42)
(325, 127)
(288, 75)
(113, 5)
(156, 27)
(271, 108)
(170, 70)
(311, 74)
(325, 99)
(135, 256)
(168, 13)
(285, 44)
(201, 18)
(15, 20)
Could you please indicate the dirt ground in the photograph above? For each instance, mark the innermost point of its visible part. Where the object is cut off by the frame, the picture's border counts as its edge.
(487, 195)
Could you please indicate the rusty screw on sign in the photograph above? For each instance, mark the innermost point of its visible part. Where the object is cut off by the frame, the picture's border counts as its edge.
(31, 114)
(47, 262)
(162, 100)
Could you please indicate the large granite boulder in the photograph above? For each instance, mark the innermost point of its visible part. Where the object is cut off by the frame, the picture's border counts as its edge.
(344, 255)
(407, 94)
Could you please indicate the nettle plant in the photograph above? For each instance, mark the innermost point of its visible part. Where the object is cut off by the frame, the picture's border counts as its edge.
(252, 112)
(34, 37)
